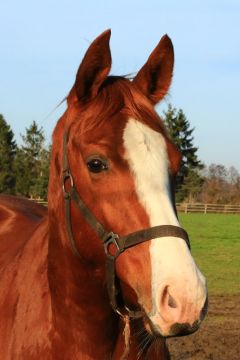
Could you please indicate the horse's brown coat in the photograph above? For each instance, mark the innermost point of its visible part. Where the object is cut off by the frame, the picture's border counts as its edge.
(53, 306)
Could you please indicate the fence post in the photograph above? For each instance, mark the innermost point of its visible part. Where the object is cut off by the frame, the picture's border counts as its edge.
(205, 209)
(186, 208)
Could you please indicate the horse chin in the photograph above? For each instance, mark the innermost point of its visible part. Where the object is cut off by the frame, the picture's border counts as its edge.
(175, 330)
(150, 328)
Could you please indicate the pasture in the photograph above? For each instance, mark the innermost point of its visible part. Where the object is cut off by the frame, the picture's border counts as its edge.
(215, 240)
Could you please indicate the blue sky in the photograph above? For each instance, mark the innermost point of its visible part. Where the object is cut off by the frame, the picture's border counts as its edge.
(42, 44)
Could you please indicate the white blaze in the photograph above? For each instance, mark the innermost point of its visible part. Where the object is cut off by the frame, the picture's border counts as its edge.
(171, 261)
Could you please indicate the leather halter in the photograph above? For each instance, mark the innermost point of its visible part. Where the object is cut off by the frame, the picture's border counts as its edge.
(121, 243)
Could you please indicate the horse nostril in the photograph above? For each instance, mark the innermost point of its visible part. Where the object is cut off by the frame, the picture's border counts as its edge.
(171, 302)
(167, 302)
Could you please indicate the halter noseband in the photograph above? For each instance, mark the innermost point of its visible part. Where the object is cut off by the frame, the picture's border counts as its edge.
(110, 238)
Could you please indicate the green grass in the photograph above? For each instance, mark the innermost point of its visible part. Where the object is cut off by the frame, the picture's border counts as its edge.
(215, 241)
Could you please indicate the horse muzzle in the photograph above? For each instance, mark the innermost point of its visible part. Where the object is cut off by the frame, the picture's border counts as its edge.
(178, 321)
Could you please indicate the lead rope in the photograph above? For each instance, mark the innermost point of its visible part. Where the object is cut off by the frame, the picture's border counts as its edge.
(127, 335)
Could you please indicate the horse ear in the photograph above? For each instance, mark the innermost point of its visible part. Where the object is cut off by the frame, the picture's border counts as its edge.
(155, 76)
(94, 68)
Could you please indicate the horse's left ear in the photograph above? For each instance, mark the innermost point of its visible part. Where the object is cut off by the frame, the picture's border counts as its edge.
(155, 76)
(94, 68)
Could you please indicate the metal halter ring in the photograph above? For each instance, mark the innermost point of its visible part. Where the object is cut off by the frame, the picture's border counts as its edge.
(111, 238)
(67, 175)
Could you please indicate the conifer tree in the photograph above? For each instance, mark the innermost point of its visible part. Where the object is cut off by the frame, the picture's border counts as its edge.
(180, 131)
(40, 188)
(32, 164)
(7, 155)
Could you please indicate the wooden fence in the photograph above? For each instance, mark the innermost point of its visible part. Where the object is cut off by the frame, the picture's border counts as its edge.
(192, 208)
(208, 208)
(39, 201)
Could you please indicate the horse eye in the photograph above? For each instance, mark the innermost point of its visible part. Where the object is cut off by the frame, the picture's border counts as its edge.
(96, 165)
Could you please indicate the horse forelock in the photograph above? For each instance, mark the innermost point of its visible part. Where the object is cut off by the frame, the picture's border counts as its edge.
(117, 94)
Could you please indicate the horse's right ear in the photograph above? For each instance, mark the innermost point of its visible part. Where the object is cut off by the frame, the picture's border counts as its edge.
(94, 68)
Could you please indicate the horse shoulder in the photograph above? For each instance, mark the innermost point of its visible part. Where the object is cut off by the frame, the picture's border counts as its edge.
(18, 219)
(25, 307)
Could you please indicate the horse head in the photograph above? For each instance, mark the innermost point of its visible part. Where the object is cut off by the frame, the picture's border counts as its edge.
(123, 166)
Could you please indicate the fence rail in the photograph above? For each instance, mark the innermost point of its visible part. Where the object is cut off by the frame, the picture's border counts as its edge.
(40, 201)
(191, 208)
(208, 208)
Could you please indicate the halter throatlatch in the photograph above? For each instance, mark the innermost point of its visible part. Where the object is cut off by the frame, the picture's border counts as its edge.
(109, 238)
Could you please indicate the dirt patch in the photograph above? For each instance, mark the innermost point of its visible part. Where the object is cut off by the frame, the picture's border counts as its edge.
(219, 336)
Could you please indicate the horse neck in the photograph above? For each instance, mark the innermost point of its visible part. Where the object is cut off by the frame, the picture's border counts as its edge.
(81, 311)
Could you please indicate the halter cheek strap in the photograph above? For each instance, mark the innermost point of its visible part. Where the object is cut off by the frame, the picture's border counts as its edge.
(113, 244)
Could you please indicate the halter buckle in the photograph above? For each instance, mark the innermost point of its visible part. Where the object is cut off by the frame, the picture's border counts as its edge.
(109, 239)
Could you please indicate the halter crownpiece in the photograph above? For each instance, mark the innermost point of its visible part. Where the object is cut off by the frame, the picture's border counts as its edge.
(109, 238)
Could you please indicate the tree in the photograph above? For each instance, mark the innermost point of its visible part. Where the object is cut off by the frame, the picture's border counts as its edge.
(40, 188)
(7, 155)
(188, 180)
(234, 179)
(191, 187)
(217, 172)
(22, 174)
(233, 175)
(221, 185)
(32, 163)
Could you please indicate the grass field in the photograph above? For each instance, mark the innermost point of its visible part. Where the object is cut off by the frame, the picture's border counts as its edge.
(215, 241)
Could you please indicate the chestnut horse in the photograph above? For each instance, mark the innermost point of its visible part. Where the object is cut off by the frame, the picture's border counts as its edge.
(71, 289)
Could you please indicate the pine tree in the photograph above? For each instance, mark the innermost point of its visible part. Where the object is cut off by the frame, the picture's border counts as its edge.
(32, 164)
(40, 188)
(7, 154)
(180, 131)
(191, 187)
(23, 174)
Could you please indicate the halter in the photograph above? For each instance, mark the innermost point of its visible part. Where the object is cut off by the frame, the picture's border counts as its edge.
(120, 243)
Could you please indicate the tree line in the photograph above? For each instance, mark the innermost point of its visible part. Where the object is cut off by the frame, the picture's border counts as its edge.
(24, 169)
(196, 182)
